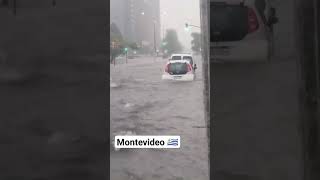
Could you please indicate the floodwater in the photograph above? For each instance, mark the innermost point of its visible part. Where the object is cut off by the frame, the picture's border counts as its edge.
(142, 104)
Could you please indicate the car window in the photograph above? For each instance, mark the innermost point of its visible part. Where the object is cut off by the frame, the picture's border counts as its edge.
(228, 22)
(178, 68)
(189, 58)
(176, 58)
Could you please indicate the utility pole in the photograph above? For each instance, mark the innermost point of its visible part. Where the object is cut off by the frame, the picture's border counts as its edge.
(126, 51)
(154, 37)
(126, 57)
(163, 31)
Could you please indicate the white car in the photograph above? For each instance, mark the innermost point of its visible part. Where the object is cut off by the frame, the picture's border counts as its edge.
(180, 70)
(185, 56)
(241, 30)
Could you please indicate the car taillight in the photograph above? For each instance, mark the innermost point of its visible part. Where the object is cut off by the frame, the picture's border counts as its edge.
(167, 68)
(189, 68)
(252, 20)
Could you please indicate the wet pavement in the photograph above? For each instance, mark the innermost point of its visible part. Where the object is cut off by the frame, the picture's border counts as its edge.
(141, 103)
(256, 122)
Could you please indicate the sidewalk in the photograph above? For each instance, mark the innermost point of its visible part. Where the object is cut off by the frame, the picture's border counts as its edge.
(256, 121)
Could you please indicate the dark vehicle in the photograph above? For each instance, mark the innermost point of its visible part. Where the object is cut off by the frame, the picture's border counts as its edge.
(240, 30)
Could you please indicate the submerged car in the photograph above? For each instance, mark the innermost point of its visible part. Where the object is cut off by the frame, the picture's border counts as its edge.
(241, 30)
(180, 70)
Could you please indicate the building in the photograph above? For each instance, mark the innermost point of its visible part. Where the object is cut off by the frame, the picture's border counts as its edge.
(122, 14)
(148, 22)
(138, 20)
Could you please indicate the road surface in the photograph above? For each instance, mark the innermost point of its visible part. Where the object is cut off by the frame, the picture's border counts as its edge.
(256, 123)
(143, 104)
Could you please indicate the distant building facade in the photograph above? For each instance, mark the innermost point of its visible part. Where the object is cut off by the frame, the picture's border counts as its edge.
(122, 14)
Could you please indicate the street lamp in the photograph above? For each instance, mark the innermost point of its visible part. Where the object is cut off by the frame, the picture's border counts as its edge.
(164, 13)
(154, 32)
(154, 36)
(187, 25)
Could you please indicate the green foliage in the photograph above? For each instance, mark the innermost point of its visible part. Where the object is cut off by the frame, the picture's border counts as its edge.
(133, 46)
(170, 43)
(116, 36)
(123, 45)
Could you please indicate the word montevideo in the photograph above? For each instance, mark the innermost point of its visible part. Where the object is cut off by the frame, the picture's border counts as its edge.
(137, 142)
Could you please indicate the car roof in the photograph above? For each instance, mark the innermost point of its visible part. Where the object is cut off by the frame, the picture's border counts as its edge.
(181, 54)
(178, 61)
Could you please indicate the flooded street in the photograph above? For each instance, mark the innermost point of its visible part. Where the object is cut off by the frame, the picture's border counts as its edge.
(142, 104)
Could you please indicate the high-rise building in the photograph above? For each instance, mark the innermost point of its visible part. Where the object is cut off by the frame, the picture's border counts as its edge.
(138, 20)
(120, 15)
(148, 22)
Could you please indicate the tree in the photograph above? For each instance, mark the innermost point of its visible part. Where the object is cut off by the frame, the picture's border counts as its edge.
(196, 42)
(116, 42)
(133, 46)
(170, 43)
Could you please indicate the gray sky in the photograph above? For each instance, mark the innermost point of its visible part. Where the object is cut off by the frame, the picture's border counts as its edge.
(174, 15)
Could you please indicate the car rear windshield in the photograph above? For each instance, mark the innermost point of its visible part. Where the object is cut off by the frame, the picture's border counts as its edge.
(189, 58)
(178, 68)
(228, 22)
(176, 58)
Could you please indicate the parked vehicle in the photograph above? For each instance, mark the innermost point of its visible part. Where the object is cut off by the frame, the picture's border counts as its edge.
(180, 70)
(241, 30)
(185, 56)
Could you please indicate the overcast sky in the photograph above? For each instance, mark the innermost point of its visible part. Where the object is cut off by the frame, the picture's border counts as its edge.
(174, 15)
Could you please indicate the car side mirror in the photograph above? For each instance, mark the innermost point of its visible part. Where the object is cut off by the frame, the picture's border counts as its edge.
(273, 19)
